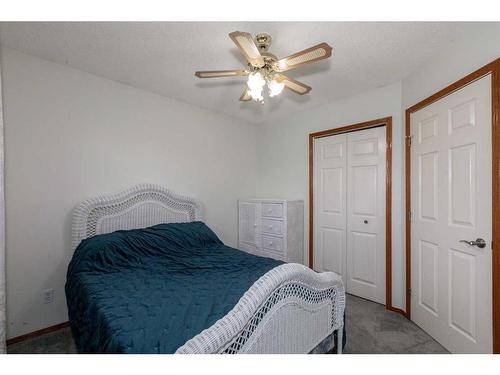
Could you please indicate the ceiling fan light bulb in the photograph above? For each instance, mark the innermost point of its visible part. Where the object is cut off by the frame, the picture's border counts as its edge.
(256, 82)
(275, 87)
(256, 95)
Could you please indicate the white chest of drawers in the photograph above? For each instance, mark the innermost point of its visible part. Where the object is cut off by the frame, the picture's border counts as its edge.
(272, 228)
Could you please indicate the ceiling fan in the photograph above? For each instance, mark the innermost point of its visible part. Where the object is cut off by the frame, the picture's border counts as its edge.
(265, 68)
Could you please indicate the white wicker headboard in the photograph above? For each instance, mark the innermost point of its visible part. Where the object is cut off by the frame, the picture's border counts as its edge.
(139, 207)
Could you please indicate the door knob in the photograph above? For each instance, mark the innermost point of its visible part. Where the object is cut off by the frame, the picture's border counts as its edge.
(479, 242)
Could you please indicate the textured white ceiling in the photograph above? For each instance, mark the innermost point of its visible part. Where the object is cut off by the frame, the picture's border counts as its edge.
(162, 56)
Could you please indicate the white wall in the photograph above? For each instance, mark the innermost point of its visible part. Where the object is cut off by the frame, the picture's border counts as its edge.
(70, 135)
(456, 61)
(283, 167)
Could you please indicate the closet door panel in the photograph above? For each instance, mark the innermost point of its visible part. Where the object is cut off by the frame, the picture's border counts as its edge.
(330, 184)
(366, 179)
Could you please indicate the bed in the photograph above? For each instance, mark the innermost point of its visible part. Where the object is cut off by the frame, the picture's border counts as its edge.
(148, 276)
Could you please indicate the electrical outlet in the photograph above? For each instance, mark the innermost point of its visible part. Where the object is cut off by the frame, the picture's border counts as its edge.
(48, 296)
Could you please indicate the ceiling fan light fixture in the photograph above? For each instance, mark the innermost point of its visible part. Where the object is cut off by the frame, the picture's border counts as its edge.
(256, 85)
(256, 95)
(275, 87)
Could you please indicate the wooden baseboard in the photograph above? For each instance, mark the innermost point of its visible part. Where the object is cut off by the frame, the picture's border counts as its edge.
(40, 332)
(398, 310)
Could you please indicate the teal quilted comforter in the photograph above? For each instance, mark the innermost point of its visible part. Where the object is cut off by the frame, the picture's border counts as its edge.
(150, 290)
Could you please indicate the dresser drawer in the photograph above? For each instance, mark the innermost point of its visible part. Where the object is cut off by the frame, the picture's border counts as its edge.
(272, 226)
(272, 210)
(273, 244)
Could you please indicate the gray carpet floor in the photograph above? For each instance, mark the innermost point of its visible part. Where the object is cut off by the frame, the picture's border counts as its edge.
(370, 329)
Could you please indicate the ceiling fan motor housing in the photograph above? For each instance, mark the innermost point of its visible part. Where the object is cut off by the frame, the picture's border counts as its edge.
(263, 41)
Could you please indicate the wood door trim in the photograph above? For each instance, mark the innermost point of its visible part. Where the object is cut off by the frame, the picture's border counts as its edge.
(492, 69)
(40, 332)
(387, 122)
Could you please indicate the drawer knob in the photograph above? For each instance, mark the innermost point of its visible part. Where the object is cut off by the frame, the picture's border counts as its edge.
(269, 210)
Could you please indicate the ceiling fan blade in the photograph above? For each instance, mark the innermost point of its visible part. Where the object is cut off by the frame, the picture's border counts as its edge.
(244, 41)
(221, 73)
(307, 56)
(292, 84)
(245, 97)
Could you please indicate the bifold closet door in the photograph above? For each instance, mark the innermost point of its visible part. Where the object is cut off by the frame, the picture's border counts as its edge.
(330, 155)
(349, 210)
(366, 184)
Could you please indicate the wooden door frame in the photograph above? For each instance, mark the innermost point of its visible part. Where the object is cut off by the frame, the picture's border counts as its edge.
(492, 69)
(387, 122)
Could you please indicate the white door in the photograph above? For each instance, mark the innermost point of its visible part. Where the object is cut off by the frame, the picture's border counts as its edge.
(349, 210)
(366, 183)
(330, 155)
(451, 201)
